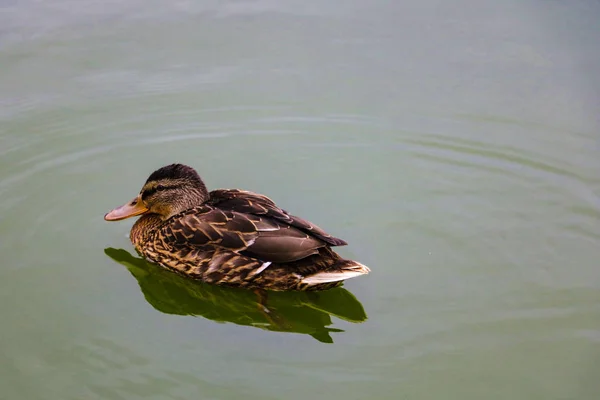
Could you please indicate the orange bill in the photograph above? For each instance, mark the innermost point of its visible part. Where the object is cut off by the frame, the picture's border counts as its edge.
(131, 209)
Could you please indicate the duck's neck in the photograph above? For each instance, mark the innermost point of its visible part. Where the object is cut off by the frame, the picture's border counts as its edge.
(143, 227)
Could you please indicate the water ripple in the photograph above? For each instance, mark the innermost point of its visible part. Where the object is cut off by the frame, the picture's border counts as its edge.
(517, 160)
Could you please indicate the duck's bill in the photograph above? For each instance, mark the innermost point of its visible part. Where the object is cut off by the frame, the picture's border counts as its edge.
(131, 209)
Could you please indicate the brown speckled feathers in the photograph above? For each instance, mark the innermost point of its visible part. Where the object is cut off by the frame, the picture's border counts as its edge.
(259, 205)
(247, 223)
(231, 236)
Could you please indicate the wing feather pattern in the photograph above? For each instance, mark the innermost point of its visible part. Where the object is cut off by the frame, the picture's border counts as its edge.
(245, 233)
(257, 204)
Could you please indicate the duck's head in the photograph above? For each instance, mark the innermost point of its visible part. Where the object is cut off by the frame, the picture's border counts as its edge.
(168, 191)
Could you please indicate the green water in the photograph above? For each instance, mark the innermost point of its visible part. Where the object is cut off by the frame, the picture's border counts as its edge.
(454, 146)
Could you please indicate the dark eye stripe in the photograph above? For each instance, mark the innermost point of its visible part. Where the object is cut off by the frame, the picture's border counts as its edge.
(157, 188)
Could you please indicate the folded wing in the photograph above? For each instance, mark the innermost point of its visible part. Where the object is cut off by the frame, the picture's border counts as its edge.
(257, 236)
(259, 205)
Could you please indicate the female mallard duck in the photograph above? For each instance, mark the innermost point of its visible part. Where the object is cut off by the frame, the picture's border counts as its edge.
(230, 237)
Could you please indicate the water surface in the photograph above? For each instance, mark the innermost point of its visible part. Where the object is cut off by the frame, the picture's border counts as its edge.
(455, 146)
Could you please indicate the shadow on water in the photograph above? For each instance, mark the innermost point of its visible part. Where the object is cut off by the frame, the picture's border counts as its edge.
(296, 312)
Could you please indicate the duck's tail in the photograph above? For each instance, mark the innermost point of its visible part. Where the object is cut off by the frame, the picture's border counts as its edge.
(342, 270)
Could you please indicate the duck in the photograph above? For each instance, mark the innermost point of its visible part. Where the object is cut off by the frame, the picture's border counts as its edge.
(230, 237)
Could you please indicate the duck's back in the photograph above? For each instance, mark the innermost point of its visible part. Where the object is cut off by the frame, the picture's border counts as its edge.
(247, 202)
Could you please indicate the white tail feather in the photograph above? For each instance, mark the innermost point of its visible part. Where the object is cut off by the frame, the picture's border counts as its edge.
(348, 272)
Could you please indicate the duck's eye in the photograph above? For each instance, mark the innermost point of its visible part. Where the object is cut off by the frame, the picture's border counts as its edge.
(160, 187)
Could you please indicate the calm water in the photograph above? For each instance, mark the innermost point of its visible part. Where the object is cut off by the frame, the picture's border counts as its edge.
(454, 145)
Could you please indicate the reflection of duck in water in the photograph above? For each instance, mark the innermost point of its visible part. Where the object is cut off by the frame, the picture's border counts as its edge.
(230, 237)
(297, 312)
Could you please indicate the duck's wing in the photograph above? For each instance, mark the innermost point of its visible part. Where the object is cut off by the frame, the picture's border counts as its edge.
(257, 236)
(259, 205)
